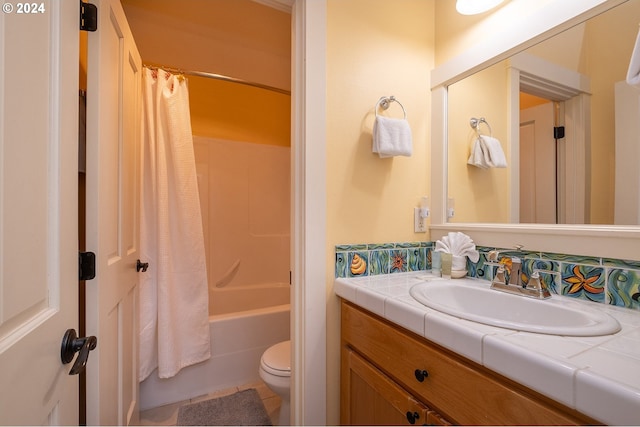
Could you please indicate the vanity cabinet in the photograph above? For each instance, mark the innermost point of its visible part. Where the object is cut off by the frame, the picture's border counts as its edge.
(375, 399)
(392, 376)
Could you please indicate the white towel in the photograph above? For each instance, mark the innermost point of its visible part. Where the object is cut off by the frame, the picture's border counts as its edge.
(392, 137)
(458, 244)
(477, 156)
(487, 153)
(493, 147)
(633, 74)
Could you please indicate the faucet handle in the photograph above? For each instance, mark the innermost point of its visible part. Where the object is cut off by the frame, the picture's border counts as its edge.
(534, 281)
(499, 278)
(538, 285)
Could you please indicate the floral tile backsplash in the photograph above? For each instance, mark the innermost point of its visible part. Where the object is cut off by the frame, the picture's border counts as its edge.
(600, 280)
(371, 259)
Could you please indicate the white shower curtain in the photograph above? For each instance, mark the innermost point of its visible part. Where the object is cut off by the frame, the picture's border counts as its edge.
(174, 318)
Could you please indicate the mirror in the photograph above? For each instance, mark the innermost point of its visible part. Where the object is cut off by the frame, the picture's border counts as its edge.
(569, 81)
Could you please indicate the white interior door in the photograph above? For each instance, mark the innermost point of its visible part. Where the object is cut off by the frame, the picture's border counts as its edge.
(38, 210)
(113, 134)
(537, 165)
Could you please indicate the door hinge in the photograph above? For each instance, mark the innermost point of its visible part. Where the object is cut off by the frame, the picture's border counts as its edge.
(88, 16)
(558, 132)
(87, 265)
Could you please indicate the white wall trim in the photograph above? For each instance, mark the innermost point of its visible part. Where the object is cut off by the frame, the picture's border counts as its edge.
(308, 252)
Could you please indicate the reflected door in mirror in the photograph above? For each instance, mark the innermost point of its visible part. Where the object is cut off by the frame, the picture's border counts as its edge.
(537, 165)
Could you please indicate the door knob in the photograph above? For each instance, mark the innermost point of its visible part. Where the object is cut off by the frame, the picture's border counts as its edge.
(141, 266)
(71, 344)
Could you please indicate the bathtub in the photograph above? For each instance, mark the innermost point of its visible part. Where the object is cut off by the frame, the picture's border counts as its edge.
(244, 322)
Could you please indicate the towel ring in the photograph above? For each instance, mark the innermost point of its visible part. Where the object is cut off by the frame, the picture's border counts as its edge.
(385, 101)
(475, 124)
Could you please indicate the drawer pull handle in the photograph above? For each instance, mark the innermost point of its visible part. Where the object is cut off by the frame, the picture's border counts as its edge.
(412, 417)
(421, 374)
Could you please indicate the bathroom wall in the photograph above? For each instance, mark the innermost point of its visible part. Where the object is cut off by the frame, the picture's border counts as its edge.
(237, 112)
(481, 195)
(374, 48)
(603, 45)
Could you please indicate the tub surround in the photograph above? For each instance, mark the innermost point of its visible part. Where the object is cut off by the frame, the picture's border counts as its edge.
(597, 376)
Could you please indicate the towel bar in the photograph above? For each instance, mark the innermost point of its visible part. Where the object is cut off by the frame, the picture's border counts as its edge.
(385, 101)
(475, 124)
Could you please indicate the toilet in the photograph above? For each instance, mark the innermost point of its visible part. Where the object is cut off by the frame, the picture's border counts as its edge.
(275, 371)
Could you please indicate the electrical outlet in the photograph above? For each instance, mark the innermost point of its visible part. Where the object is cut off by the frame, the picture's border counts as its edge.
(419, 223)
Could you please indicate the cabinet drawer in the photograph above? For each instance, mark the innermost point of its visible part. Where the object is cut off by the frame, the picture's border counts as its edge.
(458, 389)
(374, 398)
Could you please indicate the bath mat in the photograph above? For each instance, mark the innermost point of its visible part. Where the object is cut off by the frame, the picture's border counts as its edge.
(243, 408)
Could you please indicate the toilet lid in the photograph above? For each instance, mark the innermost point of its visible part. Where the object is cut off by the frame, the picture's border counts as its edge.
(277, 359)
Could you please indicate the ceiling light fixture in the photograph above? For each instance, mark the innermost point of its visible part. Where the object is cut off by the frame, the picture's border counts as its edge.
(473, 7)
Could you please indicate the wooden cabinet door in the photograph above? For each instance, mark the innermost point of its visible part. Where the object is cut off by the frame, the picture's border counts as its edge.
(371, 398)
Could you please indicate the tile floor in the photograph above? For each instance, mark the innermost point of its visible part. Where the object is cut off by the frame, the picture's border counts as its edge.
(168, 415)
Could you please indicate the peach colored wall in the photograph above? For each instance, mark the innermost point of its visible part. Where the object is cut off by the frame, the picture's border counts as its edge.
(238, 112)
(528, 101)
(603, 50)
(238, 38)
(481, 195)
(374, 48)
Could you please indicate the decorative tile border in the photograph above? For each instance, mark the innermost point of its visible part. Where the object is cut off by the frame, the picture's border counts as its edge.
(600, 280)
(382, 258)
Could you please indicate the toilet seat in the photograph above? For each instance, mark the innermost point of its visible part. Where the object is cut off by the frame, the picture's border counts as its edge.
(276, 360)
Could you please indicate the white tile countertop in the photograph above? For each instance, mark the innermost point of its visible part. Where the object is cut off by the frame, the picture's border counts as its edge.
(598, 376)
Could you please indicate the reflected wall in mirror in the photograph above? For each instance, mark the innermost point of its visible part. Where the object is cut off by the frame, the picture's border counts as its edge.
(573, 80)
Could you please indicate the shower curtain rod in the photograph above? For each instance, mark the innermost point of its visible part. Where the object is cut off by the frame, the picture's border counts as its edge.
(221, 77)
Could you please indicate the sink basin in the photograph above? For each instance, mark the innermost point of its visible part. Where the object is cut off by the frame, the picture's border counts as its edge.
(473, 300)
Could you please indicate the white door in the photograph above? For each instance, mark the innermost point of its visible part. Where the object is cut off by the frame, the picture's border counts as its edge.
(38, 210)
(113, 133)
(537, 165)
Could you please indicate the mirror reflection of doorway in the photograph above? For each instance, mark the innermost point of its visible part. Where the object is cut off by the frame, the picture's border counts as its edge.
(554, 178)
(538, 160)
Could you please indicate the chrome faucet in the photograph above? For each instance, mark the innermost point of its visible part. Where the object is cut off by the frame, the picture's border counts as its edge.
(510, 280)
(514, 274)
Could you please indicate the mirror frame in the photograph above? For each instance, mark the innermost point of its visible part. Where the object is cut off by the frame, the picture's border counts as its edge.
(551, 18)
